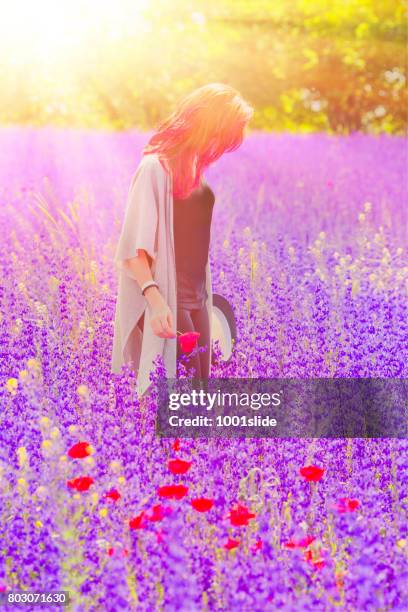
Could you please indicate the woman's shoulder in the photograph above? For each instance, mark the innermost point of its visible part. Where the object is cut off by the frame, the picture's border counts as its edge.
(150, 171)
(151, 162)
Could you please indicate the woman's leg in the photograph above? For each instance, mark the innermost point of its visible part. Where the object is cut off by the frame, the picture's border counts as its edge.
(201, 324)
(185, 324)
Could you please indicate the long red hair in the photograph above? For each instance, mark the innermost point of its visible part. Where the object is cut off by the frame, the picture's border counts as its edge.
(206, 123)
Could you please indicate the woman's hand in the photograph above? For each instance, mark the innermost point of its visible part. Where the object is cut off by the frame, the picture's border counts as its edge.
(161, 318)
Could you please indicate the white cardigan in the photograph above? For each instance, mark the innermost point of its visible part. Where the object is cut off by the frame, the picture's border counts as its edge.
(148, 225)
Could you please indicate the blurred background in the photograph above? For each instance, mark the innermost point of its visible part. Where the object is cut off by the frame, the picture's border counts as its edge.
(306, 65)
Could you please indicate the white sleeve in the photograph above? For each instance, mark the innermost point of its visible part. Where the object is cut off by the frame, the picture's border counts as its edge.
(139, 229)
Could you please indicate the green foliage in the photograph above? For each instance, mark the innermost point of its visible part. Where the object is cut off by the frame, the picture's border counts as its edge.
(305, 65)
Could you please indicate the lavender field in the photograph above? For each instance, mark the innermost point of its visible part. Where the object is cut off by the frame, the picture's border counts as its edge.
(309, 245)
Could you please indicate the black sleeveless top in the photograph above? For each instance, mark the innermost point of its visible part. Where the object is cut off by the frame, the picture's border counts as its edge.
(191, 226)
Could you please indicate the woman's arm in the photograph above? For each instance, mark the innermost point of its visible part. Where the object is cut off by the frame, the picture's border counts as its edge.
(161, 318)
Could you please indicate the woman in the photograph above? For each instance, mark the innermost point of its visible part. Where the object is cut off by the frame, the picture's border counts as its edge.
(162, 254)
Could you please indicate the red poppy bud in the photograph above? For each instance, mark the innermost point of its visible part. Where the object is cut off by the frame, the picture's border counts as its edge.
(339, 576)
(202, 504)
(347, 505)
(312, 473)
(176, 445)
(188, 341)
(160, 536)
(257, 546)
(302, 543)
(79, 450)
(178, 466)
(305, 542)
(316, 559)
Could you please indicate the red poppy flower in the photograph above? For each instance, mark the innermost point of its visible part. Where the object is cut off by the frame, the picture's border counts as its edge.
(80, 450)
(124, 552)
(239, 515)
(346, 504)
(202, 504)
(82, 483)
(139, 521)
(302, 543)
(178, 466)
(312, 473)
(159, 512)
(176, 445)
(230, 544)
(188, 341)
(113, 494)
(172, 491)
